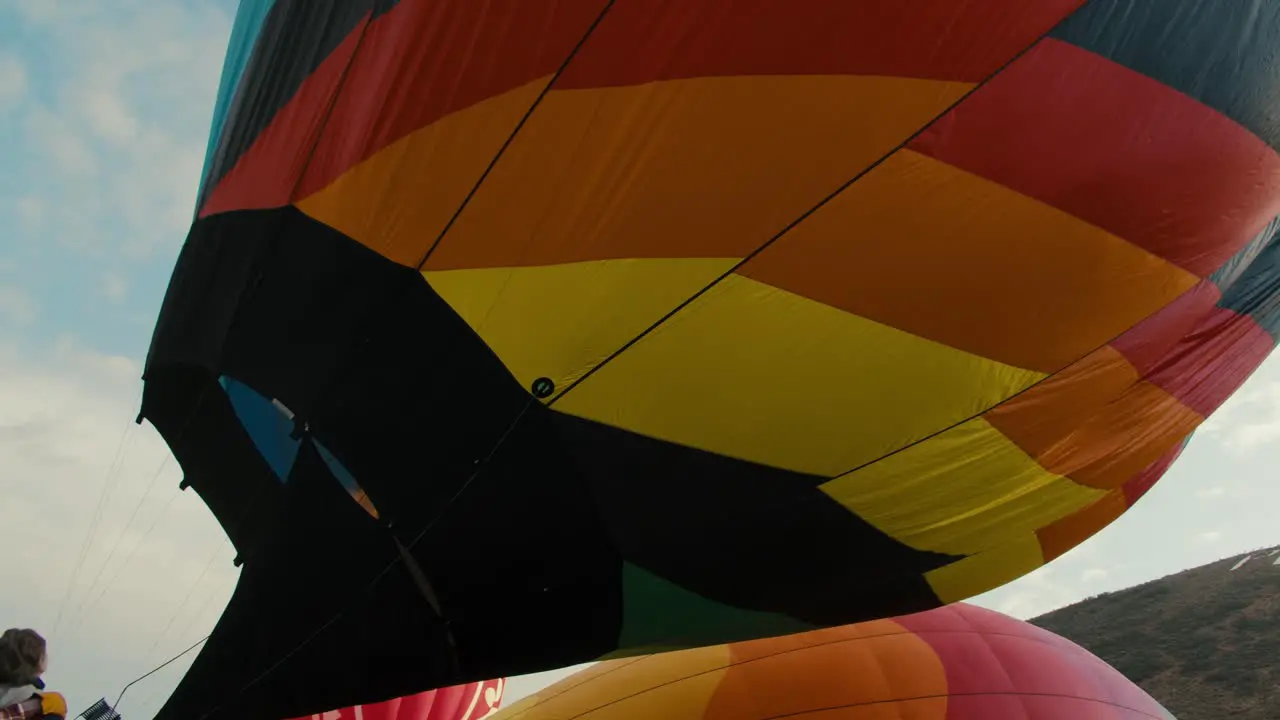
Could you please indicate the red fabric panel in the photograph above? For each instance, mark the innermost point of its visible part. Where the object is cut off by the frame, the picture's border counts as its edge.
(1116, 149)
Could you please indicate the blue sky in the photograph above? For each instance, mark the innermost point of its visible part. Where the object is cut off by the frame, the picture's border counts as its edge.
(109, 102)
(104, 110)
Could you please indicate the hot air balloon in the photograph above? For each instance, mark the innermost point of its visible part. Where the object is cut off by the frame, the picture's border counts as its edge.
(517, 334)
(959, 662)
(473, 701)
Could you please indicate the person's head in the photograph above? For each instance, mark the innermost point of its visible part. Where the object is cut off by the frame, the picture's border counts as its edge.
(23, 656)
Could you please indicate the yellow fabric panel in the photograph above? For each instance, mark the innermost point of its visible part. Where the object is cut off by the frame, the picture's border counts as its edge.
(680, 682)
(754, 372)
(962, 492)
(559, 321)
(399, 200)
(987, 570)
(947, 255)
(700, 167)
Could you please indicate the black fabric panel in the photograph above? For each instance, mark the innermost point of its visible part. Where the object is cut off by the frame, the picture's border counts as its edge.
(412, 405)
(1220, 53)
(218, 458)
(523, 563)
(1257, 291)
(296, 36)
(325, 550)
(382, 7)
(215, 264)
(279, 301)
(525, 515)
(746, 535)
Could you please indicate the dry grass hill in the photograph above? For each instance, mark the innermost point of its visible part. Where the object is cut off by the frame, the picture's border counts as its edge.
(1204, 642)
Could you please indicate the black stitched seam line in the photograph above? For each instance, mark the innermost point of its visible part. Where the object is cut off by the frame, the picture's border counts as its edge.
(516, 131)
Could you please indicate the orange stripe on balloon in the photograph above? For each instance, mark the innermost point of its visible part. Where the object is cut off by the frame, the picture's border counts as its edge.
(1087, 424)
(689, 168)
(941, 253)
(1040, 417)
(1063, 535)
(796, 675)
(400, 200)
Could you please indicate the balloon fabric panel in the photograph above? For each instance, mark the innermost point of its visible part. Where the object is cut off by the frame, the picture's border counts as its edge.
(955, 663)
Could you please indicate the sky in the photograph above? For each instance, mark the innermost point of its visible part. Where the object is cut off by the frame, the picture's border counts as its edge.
(104, 111)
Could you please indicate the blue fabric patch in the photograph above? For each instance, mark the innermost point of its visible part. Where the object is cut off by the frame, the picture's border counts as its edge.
(267, 425)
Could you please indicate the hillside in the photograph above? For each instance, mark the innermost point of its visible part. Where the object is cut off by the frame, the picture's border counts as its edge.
(1204, 642)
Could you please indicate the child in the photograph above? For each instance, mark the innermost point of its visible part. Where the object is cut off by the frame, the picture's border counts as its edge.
(23, 659)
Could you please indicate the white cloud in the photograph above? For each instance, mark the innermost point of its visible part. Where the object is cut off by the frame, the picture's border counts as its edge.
(17, 305)
(1033, 594)
(61, 143)
(1250, 419)
(64, 415)
(1211, 536)
(115, 287)
(1093, 575)
(49, 11)
(1212, 492)
(106, 110)
(13, 81)
(31, 211)
(1262, 425)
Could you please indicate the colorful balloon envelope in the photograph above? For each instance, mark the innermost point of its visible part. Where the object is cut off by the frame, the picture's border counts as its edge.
(516, 334)
(473, 701)
(959, 662)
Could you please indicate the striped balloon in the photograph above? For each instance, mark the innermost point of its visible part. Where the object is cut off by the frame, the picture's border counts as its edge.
(516, 334)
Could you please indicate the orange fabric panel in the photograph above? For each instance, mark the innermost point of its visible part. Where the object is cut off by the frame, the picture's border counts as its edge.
(1122, 438)
(399, 201)
(888, 667)
(1042, 415)
(1095, 422)
(938, 252)
(688, 168)
(1070, 531)
(679, 682)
